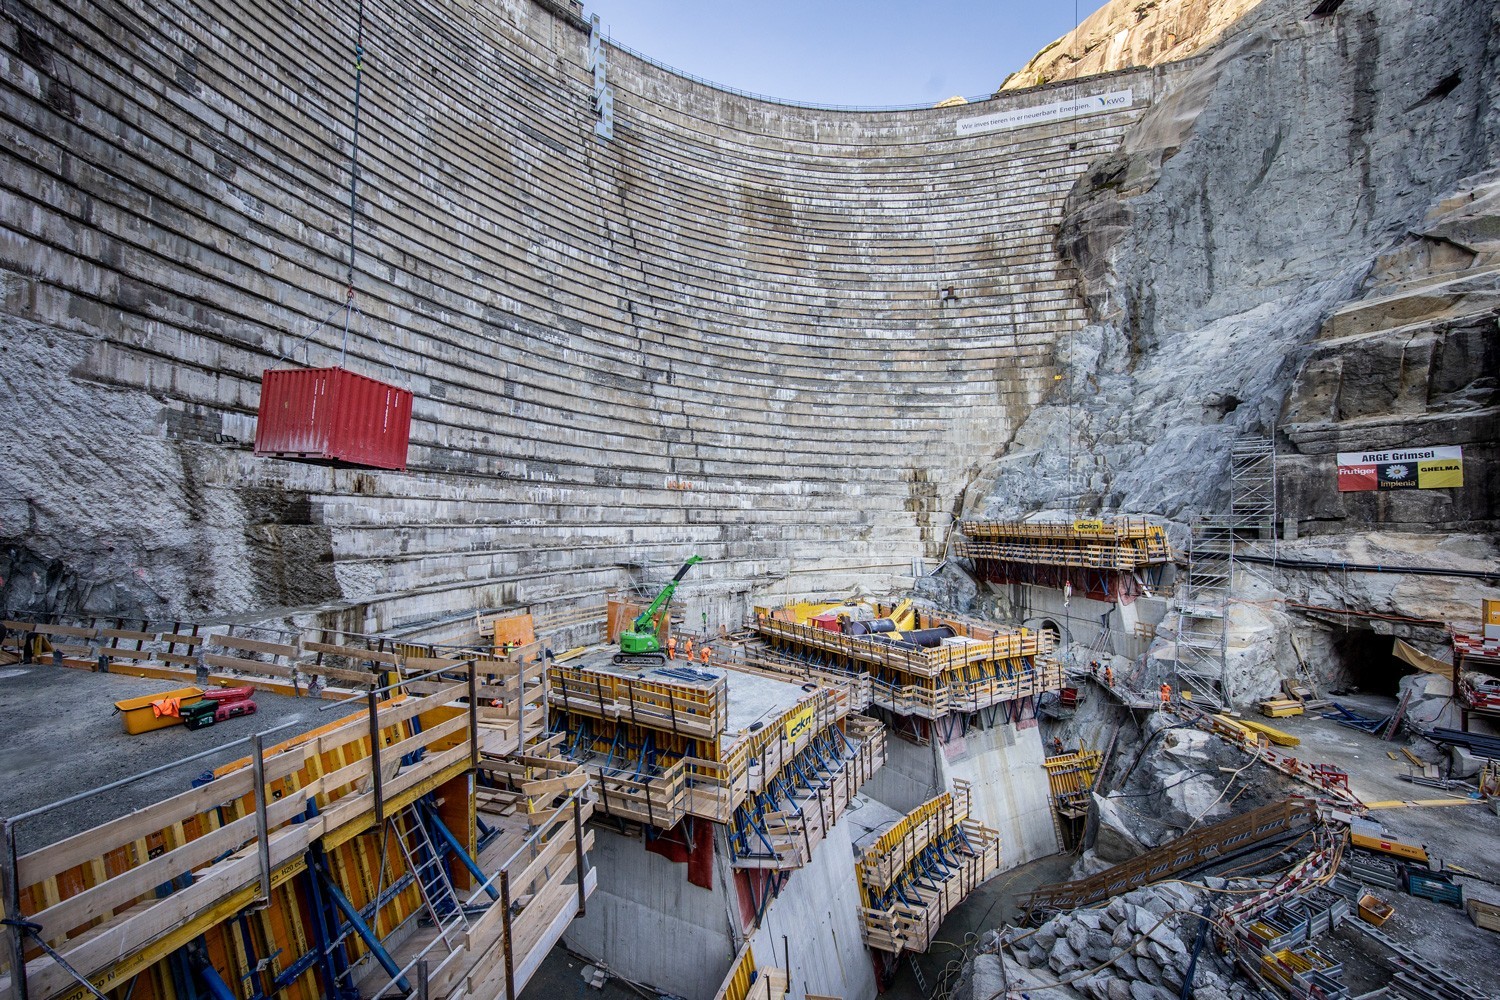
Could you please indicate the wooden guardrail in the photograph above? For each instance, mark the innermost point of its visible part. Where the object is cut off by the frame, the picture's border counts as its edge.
(938, 661)
(795, 832)
(542, 886)
(1117, 528)
(897, 847)
(1124, 544)
(1222, 839)
(697, 709)
(176, 649)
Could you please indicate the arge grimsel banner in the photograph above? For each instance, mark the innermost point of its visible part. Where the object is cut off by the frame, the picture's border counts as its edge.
(1401, 469)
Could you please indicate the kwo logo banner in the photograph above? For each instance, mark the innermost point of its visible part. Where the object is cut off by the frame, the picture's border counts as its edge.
(1401, 469)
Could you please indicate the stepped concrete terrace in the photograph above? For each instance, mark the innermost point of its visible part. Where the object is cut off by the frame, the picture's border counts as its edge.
(722, 331)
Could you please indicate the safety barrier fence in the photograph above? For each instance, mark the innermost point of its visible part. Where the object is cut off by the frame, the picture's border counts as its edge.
(779, 826)
(920, 869)
(1107, 556)
(694, 708)
(277, 660)
(642, 775)
(936, 700)
(1137, 529)
(856, 687)
(529, 899)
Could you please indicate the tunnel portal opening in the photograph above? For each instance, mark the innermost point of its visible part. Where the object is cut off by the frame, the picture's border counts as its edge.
(1364, 658)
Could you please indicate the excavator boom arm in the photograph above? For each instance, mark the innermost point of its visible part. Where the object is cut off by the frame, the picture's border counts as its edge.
(643, 620)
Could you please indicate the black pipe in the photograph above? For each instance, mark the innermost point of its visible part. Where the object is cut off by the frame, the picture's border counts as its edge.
(929, 637)
(1472, 574)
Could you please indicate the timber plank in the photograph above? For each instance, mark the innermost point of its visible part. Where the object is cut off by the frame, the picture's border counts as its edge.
(83, 847)
(253, 645)
(247, 666)
(353, 652)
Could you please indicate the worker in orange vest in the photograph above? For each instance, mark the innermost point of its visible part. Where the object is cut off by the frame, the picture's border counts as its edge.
(703, 654)
(671, 647)
(1166, 694)
(1109, 677)
(687, 648)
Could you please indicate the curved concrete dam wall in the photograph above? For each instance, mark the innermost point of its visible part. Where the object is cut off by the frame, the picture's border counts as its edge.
(723, 330)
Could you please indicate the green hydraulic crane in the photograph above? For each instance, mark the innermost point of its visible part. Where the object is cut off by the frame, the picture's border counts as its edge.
(641, 643)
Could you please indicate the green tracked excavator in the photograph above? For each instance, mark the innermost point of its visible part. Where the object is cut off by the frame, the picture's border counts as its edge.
(640, 645)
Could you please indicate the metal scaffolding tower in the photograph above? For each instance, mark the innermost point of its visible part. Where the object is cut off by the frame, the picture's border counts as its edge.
(1203, 604)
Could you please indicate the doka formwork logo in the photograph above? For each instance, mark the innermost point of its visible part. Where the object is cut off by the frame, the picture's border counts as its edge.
(1401, 469)
(1021, 117)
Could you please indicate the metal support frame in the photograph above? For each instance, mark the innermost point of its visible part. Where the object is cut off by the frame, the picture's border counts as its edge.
(474, 715)
(510, 961)
(262, 828)
(16, 933)
(578, 854)
(1203, 605)
(375, 768)
(364, 930)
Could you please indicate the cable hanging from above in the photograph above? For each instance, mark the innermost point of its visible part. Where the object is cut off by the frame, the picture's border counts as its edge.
(359, 67)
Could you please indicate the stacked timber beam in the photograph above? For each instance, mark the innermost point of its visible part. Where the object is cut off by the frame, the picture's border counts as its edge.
(920, 869)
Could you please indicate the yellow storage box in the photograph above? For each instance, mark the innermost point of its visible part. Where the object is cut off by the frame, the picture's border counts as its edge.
(138, 716)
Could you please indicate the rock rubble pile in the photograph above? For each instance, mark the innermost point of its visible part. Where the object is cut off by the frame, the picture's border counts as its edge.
(1138, 946)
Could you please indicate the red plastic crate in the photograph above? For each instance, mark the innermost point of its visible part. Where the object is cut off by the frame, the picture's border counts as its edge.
(333, 415)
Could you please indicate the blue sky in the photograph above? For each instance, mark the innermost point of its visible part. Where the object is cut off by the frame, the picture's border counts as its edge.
(875, 53)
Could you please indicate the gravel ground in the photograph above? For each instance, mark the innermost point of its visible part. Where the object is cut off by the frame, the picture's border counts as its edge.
(62, 737)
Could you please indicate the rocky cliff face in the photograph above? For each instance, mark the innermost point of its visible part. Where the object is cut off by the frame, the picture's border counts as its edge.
(1126, 33)
(1297, 242)
(1243, 212)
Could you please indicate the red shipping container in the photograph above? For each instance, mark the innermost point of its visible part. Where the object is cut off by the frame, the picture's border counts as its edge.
(829, 622)
(333, 414)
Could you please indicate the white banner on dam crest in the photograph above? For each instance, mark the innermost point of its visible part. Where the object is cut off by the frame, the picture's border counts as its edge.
(1021, 117)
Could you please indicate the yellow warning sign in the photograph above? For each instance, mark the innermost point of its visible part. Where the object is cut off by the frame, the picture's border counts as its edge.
(1440, 473)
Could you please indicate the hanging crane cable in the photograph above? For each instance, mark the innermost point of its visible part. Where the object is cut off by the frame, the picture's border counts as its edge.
(1074, 487)
(359, 66)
